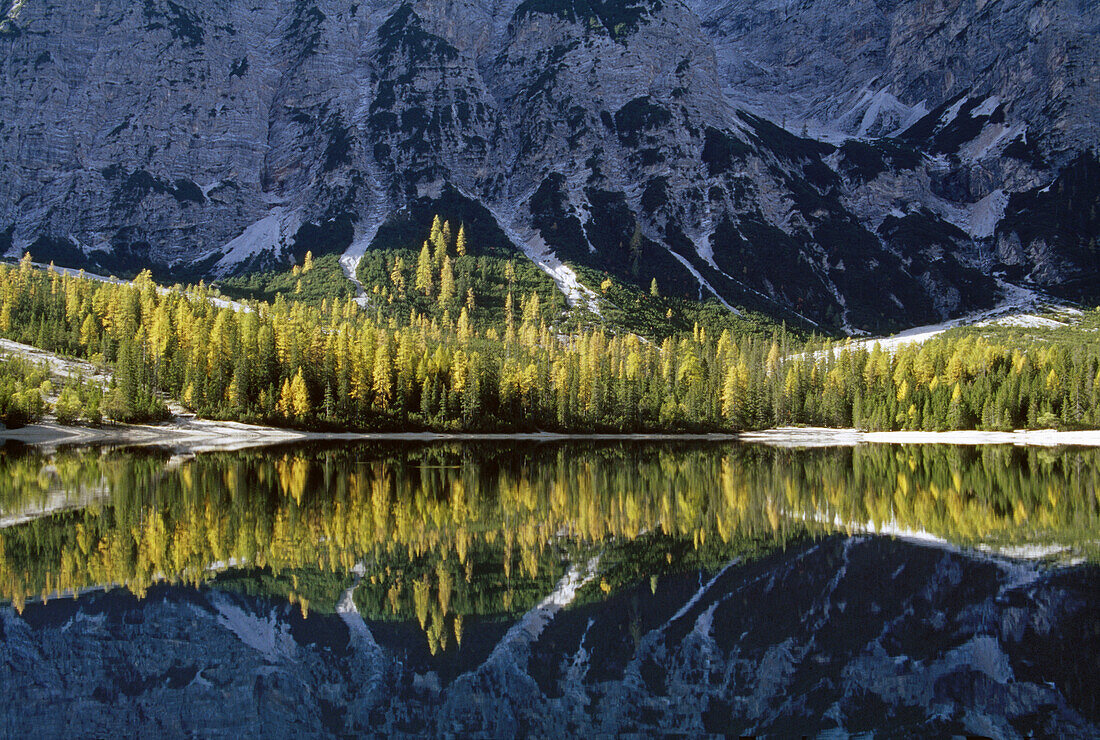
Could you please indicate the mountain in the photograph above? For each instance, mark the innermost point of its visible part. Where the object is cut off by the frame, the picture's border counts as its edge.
(837, 637)
(852, 164)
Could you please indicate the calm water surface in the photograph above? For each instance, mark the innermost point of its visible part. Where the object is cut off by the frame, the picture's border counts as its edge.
(551, 589)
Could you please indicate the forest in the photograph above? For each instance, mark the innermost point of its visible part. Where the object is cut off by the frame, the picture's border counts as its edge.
(453, 531)
(435, 359)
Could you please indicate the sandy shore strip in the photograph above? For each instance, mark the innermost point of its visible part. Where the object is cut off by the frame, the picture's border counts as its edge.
(60, 367)
(186, 435)
(821, 437)
(189, 435)
(197, 435)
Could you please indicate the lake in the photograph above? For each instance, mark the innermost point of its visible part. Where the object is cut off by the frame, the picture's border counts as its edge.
(591, 588)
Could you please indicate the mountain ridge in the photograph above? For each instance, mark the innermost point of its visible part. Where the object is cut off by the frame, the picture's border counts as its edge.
(617, 136)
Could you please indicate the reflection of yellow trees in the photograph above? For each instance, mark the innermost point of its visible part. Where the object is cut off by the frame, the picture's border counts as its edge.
(393, 595)
(446, 587)
(422, 592)
(133, 520)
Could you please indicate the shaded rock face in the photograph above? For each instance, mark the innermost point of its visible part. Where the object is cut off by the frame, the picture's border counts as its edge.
(858, 164)
(855, 635)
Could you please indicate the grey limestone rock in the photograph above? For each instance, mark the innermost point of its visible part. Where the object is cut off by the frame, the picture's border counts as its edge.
(855, 164)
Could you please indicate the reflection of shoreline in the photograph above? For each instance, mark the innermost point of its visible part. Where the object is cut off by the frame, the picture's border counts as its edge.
(199, 435)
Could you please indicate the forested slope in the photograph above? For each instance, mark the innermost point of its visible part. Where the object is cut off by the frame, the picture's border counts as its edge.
(338, 365)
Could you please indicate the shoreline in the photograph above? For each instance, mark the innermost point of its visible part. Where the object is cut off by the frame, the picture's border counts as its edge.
(824, 437)
(198, 435)
(190, 435)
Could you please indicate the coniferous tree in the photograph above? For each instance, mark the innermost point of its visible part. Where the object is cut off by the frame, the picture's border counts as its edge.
(636, 249)
(438, 242)
(460, 241)
(424, 271)
(446, 283)
(397, 276)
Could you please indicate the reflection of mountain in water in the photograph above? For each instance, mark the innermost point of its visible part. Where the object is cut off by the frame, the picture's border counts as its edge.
(546, 589)
(851, 634)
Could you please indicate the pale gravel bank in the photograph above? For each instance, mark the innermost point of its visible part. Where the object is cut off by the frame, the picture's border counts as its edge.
(820, 437)
(60, 367)
(186, 435)
(190, 435)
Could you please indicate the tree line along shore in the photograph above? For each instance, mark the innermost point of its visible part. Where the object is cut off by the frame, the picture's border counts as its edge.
(333, 365)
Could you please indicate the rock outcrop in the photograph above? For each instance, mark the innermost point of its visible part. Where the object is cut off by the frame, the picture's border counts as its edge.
(860, 165)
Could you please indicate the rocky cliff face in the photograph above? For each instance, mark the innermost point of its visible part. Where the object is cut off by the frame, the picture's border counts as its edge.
(859, 164)
(846, 636)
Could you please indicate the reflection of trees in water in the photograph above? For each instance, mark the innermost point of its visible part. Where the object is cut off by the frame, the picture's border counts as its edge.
(461, 529)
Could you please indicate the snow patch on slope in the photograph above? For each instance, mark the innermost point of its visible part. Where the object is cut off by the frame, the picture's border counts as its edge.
(986, 214)
(706, 250)
(353, 255)
(879, 108)
(1018, 304)
(952, 113)
(703, 283)
(1026, 321)
(536, 249)
(697, 596)
(267, 233)
(989, 141)
(987, 106)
